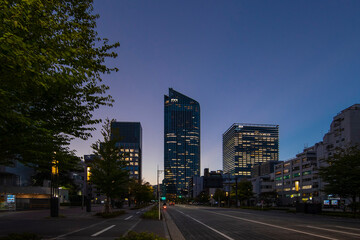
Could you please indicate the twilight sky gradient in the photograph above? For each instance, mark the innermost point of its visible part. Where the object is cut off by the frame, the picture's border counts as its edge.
(291, 63)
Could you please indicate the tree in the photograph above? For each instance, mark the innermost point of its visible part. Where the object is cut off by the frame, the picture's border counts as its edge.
(141, 192)
(50, 78)
(203, 197)
(342, 174)
(244, 190)
(219, 195)
(107, 171)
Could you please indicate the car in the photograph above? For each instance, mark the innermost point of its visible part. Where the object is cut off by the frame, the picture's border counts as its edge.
(164, 205)
(172, 203)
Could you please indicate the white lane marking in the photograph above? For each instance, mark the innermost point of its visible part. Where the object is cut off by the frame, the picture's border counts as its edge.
(276, 226)
(137, 212)
(128, 217)
(241, 212)
(66, 234)
(222, 234)
(104, 230)
(331, 230)
(356, 229)
(133, 226)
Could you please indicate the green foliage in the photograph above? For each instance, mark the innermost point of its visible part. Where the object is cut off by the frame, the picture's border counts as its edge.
(219, 195)
(50, 78)
(342, 174)
(203, 197)
(244, 190)
(21, 236)
(140, 236)
(108, 169)
(141, 192)
(153, 213)
(110, 214)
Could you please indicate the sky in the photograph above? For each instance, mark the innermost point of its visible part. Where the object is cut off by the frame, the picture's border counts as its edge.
(291, 63)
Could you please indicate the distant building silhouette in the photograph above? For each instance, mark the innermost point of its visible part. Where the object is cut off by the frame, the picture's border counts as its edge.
(245, 145)
(181, 142)
(129, 138)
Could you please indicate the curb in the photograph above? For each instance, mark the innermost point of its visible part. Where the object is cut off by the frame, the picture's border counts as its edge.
(174, 231)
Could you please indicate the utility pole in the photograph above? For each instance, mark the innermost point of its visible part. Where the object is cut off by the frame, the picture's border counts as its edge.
(158, 187)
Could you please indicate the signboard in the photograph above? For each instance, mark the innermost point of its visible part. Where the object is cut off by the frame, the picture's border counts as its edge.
(334, 202)
(163, 198)
(326, 202)
(10, 199)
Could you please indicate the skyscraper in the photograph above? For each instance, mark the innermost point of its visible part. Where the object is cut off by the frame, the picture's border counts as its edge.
(244, 145)
(129, 139)
(181, 142)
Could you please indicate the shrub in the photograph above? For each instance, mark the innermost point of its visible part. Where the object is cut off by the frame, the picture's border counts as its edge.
(111, 214)
(140, 236)
(153, 213)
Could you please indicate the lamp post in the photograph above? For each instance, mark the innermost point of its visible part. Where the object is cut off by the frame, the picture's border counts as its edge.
(158, 188)
(88, 190)
(54, 188)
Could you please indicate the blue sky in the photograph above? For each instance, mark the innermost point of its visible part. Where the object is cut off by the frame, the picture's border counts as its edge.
(291, 63)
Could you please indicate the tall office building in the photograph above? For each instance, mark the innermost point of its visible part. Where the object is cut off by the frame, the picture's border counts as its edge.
(244, 145)
(129, 139)
(181, 142)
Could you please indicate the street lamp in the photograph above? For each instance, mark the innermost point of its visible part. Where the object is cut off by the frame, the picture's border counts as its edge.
(54, 188)
(88, 189)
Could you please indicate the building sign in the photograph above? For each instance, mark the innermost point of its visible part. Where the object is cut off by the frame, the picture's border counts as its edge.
(10, 199)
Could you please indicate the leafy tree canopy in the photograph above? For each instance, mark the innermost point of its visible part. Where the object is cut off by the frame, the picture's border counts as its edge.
(342, 173)
(219, 195)
(107, 171)
(51, 62)
(244, 190)
(141, 192)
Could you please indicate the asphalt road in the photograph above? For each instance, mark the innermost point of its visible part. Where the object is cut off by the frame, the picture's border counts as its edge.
(216, 223)
(79, 225)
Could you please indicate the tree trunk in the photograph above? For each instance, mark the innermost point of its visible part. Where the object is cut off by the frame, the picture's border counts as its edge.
(107, 205)
(354, 204)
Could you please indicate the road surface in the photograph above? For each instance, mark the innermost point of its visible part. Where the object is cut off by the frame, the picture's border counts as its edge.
(234, 224)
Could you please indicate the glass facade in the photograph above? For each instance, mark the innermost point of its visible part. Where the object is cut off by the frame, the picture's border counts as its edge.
(181, 142)
(129, 139)
(245, 145)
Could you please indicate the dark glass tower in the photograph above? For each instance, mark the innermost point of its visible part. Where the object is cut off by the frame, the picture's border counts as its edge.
(129, 139)
(181, 142)
(244, 145)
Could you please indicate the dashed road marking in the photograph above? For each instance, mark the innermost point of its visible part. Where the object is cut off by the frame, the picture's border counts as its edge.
(104, 230)
(222, 234)
(128, 217)
(331, 230)
(78, 230)
(356, 229)
(276, 226)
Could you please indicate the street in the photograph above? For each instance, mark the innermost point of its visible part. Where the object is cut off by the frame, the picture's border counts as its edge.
(75, 223)
(216, 223)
